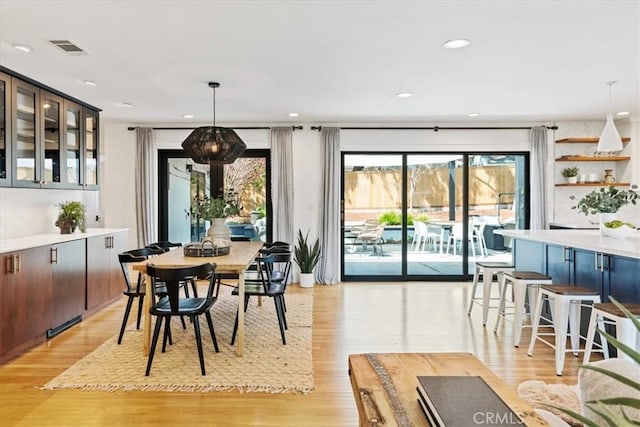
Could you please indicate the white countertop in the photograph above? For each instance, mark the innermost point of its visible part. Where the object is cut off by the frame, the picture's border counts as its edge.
(590, 240)
(36, 240)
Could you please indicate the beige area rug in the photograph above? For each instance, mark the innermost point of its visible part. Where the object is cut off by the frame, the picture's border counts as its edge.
(266, 366)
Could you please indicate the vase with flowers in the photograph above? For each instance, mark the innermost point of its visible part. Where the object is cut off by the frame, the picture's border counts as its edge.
(606, 202)
(216, 210)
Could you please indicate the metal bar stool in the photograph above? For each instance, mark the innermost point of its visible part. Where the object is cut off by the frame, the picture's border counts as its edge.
(567, 301)
(522, 282)
(626, 332)
(487, 270)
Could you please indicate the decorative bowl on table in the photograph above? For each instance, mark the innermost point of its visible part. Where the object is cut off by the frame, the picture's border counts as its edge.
(619, 229)
(208, 247)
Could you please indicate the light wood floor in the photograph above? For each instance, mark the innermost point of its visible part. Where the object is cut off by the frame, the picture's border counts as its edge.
(348, 318)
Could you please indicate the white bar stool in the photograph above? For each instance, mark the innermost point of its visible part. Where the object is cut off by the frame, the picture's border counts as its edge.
(522, 282)
(567, 301)
(487, 270)
(626, 332)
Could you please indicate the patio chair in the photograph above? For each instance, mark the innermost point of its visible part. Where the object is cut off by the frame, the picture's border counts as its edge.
(420, 236)
(372, 235)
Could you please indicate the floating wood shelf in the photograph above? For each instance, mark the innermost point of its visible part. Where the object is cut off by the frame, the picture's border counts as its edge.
(592, 158)
(585, 140)
(594, 184)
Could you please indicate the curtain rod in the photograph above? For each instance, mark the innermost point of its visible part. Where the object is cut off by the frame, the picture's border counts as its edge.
(437, 128)
(236, 128)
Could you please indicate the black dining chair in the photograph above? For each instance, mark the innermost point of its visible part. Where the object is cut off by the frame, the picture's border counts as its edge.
(267, 287)
(165, 246)
(173, 305)
(135, 287)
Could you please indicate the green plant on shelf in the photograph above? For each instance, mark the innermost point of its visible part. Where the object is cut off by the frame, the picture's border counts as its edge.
(570, 171)
(606, 200)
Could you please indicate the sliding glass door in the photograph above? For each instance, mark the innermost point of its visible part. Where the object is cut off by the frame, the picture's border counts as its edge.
(418, 216)
(372, 228)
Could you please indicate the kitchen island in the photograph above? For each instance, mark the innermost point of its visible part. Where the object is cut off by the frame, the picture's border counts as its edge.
(583, 258)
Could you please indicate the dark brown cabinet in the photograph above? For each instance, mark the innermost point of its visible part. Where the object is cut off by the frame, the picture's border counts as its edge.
(26, 304)
(105, 281)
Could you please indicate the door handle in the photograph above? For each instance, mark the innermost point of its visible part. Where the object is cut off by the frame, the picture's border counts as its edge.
(565, 252)
(9, 264)
(595, 261)
(17, 263)
(54, 255)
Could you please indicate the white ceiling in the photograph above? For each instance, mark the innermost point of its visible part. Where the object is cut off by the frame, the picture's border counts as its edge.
(333, 61)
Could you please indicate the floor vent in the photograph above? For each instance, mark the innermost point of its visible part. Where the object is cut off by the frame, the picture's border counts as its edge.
(68, 47)
(66, 325)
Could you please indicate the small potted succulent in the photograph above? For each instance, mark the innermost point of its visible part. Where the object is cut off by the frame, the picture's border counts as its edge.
(571, 174)
(72, 215)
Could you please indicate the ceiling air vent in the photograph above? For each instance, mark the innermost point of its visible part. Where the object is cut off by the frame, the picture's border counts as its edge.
(68, 46)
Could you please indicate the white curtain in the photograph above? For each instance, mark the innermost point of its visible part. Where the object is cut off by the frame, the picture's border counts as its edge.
(145, 206)
(282, 183)
(328, 271)
(538, 184)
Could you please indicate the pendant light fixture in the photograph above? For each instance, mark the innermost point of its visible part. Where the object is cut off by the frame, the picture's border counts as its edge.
(214, 144)
(610, 138)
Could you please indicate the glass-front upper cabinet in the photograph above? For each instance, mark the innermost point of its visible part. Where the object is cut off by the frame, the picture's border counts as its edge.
(52, 108)
(90, 148)
(73, 148)
(5, 130)
(26, 134)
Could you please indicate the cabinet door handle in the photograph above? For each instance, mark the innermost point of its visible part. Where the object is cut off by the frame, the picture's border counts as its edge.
(595, 261)
(602, 262)
(17, 263)
(9, 264)
(54, 255)
(565, 256)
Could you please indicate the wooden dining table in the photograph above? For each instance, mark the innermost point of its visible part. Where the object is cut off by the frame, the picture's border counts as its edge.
(237, 261)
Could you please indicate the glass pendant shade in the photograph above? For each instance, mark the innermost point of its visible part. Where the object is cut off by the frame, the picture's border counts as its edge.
(610, 138)
(215, 144)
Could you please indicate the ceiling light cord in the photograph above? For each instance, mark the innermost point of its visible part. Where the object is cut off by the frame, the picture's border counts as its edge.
(214, 105)
(611, 83)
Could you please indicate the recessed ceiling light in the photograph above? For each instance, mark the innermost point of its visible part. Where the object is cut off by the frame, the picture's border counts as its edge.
(293, 114)
(90, 83)
(23, 47)
(404, 94)
(473, 114)
(456, 43)
(127, 105)
(187, 116)
(622, 113)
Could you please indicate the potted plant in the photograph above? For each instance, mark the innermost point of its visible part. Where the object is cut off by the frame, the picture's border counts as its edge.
(307, 257)
(72, 214)
(606, 202)
(571, 174)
